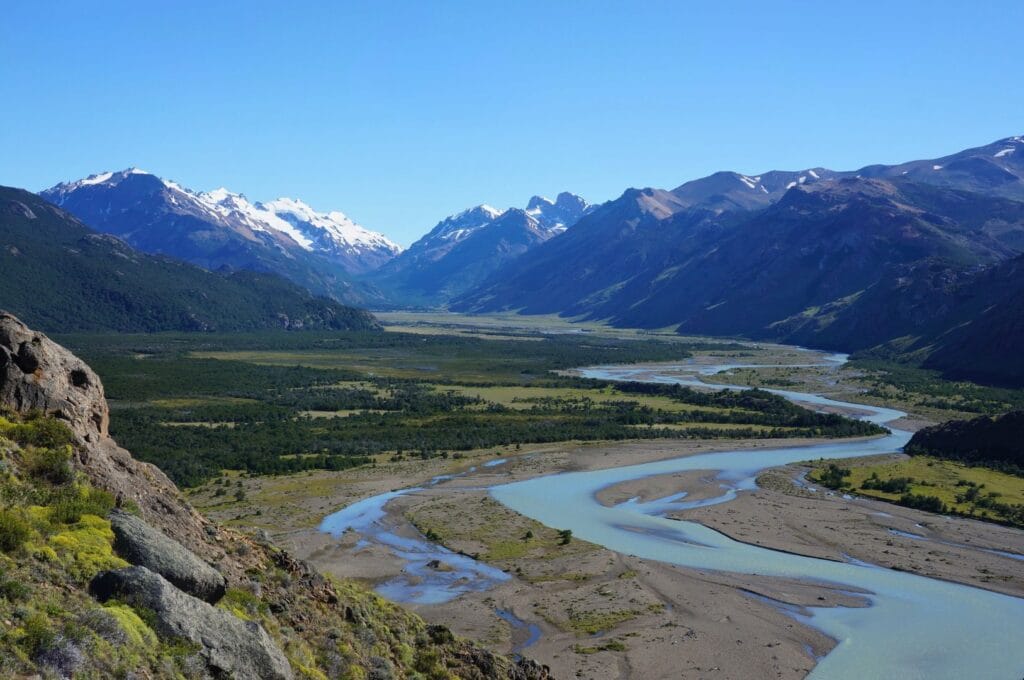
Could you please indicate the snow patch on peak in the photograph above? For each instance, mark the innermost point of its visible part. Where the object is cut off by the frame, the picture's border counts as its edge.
(813, 174)
(749, 181)
(220, 194)
(111, 178)
(537, 205)
(235, 208)
(95, 179)
(1004, 152)
(333, 230)
(936, 167)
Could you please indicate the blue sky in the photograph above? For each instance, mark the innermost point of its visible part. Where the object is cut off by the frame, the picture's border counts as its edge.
(399, 113)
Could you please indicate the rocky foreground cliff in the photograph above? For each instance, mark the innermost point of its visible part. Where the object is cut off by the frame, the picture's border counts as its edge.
(106, 571)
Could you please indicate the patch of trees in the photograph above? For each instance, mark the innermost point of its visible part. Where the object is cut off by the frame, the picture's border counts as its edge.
(921, 502)
(994, 442)
(894, 485)
(833, 476)
(195, 417)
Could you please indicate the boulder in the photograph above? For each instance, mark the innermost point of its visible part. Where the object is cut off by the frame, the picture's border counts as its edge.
(231, 647)
(144, 546)
(37, 373)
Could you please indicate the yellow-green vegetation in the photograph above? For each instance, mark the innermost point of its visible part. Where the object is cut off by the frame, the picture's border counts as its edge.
(918, 391)
(490, 531)
(54, 538)
(135, 629)
(593, 622)
(523, 397)
(957, 488)
(784, 377)
(927, 393)
(610, 646)
(510, 323)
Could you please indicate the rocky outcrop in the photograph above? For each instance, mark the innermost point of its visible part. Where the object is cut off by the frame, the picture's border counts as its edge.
(343, 627)
(142, 545)
(230, 646)
(38, 374)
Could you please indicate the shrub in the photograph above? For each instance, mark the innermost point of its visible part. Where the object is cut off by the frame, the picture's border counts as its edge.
(37, 430)
(13, 591)
(63, 655)
(46, 432)
(51, 464)
(69, 507)
(37, 636)
(927, 503)
(14, 531)
(105, 624)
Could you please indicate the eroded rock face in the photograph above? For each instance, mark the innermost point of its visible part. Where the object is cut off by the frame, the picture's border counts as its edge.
(231, 647)
(142, 545)
(37, 373)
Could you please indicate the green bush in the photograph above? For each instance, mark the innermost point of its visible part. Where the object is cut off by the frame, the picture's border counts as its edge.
(51, 464)
(38, 430)
(14, 531)
(69, 507)
(14, 591)
(38, 634)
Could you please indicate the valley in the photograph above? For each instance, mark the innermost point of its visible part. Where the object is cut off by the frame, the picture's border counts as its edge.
(511, 341)
(598, 612)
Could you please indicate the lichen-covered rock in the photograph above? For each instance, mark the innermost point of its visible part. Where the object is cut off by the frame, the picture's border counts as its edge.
(230, 646)
(144, 546)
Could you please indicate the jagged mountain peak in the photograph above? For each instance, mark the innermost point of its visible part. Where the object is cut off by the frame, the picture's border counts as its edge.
(559, 214)
(143, 208)
(465, 248)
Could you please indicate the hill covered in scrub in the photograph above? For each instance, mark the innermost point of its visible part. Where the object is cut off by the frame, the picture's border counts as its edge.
(58, 274)
(106, 571)
(989, 441)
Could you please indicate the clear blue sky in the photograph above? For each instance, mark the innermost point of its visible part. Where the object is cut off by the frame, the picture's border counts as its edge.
(399, 113)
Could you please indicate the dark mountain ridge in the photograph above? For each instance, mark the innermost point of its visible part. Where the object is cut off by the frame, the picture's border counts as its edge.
(60, 275)
(823, 258)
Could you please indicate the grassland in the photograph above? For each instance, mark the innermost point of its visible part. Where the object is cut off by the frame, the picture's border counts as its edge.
(914, 390)
(962, 489)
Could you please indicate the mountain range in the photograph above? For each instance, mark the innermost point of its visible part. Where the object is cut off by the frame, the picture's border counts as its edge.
(463, 250)
(221, 229)
(60, 275)
(326, 253)
(918, 261)
(842, 260)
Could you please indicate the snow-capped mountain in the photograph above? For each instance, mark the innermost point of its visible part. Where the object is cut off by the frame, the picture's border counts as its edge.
(464, 249)
(557, 215)
(335, 233)
(836, 259)
(221, 228)
(451, 230)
